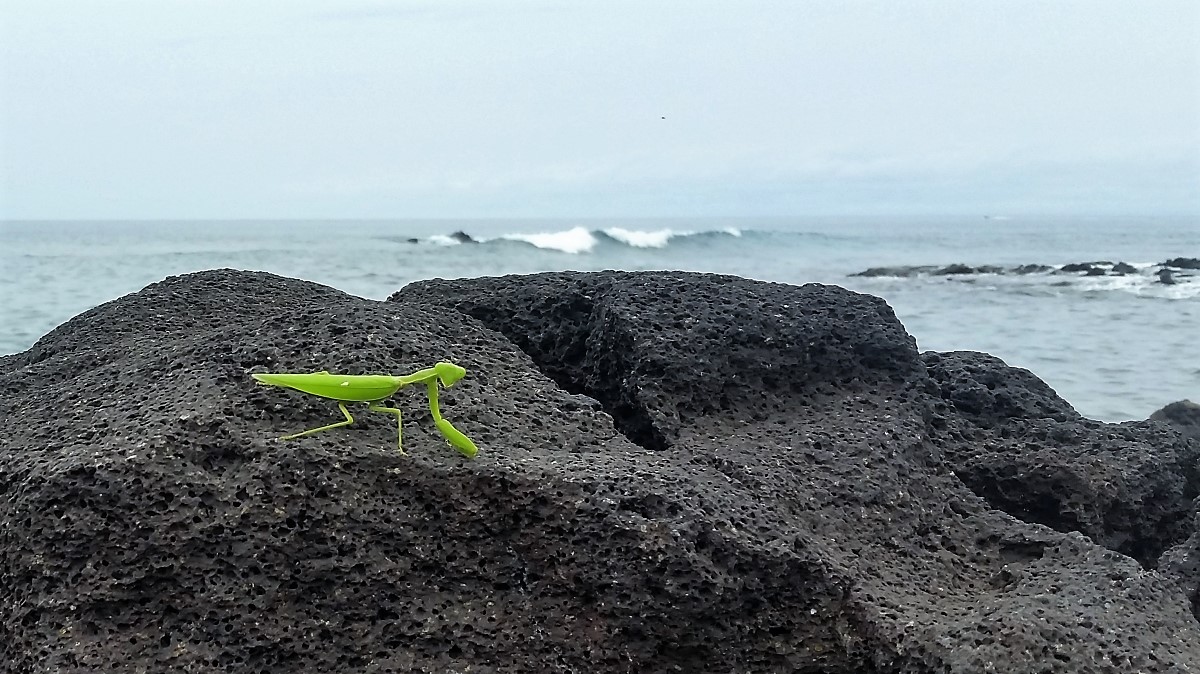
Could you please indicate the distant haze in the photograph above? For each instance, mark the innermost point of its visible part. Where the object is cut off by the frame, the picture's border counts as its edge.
(305, 109)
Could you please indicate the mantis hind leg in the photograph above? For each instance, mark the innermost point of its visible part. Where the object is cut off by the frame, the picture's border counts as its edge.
(341, 406)
(376, 407)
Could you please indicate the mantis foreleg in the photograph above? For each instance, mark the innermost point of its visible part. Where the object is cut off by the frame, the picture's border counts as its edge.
(455, 437)
(341, 406)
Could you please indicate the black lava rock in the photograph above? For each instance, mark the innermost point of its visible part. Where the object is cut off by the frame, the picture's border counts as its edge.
(1183, 415)
(1183, 263)
(1032, 269)
(955, 269)
(643, 344)
(1183, 562)
(1016, 443)
(899, 272)
(678, 472)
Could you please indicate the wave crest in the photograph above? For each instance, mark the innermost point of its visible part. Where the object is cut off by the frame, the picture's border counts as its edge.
(579, 240)
(575, 240)
(639, 239)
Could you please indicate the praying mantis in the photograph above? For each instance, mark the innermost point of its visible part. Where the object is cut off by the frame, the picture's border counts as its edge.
(372, 388)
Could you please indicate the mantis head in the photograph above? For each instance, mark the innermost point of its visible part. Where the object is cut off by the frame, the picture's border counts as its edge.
(449, 373)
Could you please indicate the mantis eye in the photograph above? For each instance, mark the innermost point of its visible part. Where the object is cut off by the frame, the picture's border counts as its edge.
(449, 373)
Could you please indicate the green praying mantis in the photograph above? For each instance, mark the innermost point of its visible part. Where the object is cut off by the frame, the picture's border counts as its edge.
(371, 389)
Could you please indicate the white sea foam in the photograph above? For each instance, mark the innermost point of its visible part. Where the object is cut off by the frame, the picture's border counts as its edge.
(641, 239)
(582, 240)
(574, 241)
(1142, 283)
(1131, 282)
(1176, 292)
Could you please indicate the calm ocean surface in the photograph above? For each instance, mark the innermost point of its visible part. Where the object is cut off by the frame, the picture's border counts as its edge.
(1116, 347)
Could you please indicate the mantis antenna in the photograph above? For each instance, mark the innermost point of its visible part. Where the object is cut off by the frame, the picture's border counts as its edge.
(372, 388)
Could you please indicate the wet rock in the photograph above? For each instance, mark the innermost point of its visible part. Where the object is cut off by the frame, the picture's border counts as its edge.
(899, 272)
(1183, 263)
(1032, 269)
(1183, 415)
(771, 499)
(462, 237)
(1098, 268)
(1088, 268)
(954, 269)
(1166, 277)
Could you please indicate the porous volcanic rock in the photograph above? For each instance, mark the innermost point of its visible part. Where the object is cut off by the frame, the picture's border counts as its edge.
(1016, 443)
(545, 312)
(665, 351)
(768, 500)
(1183, 415)
(1183, 562)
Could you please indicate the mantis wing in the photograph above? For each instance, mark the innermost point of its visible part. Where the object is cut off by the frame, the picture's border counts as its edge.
(344, 387)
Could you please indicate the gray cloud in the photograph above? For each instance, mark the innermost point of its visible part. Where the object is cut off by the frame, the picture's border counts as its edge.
(304, 108)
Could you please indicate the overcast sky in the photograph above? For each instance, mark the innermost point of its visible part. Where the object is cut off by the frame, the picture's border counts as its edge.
(459, 108)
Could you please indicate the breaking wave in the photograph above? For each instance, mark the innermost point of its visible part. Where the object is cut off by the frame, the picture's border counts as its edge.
(578, 240)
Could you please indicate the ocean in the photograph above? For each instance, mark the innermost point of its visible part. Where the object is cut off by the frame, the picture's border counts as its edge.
(1115, 342)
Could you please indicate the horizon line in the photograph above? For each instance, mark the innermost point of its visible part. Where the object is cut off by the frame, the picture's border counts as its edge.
(999, 215)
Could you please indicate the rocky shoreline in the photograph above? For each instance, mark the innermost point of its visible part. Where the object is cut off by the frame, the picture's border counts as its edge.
(678, 472)
(1168, 272)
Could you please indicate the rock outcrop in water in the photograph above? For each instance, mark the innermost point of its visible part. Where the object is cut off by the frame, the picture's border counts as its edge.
(1169, 272)
(678, 472)
(1182, 263)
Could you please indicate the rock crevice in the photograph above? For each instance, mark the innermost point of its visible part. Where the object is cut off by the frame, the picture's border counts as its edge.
(643, 344)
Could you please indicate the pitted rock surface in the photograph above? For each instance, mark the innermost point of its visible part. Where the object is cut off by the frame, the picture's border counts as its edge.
(986, 391)
(794, 519)
(662, 350)
(1183, 562)
(1183, 415)
(1016, 443)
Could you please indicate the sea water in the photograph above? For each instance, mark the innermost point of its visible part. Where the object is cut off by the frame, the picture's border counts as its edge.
(1117, 347)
